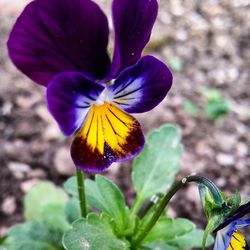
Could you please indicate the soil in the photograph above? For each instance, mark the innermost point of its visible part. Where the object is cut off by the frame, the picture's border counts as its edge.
(206, 43)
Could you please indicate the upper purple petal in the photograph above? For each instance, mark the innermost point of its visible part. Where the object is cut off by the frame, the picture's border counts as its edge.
(69, 97)
(143, 86)
(53, 36)
(133, 21)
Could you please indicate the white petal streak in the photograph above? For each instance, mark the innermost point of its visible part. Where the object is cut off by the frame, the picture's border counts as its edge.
(129, 93)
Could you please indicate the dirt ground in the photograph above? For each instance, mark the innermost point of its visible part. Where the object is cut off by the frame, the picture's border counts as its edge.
(206, 43)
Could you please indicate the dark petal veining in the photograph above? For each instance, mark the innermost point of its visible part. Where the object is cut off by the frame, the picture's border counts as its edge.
(108, 135)
(69, 98)
(143, 86)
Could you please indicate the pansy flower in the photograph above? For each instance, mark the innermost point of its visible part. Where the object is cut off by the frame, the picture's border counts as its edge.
(62, 45)
(229, 235)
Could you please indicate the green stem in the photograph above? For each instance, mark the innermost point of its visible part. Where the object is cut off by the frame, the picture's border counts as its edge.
(147, 206)
(81, 192)
(135, 207)
(215, 191)
(164, 202)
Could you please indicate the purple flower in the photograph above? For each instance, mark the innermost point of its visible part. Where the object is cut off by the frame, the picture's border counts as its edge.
(62, 44)
(228, 234)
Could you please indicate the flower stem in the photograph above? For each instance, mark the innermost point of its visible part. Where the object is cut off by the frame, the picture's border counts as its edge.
(164, 202)
(81, 192)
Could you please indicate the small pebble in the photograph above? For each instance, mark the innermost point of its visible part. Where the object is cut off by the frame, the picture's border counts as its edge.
(19, 169)
(63, 162)
(37, 173)
(9, 205)
(27, 185)
(225, 159)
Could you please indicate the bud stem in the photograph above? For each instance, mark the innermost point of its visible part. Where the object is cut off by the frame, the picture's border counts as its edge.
(164, 202)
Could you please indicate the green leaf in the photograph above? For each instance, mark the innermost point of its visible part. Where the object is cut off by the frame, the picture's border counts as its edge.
(190, 107)
(39, 197)
(176, 64)
(191, 239)
(114, 201)
(167, 229)
(54, 217)
(3, 240)
(72, 210)
(91, 234)
(34, 235)
(93, 196)
(70, 186)
(212, 94)
(216, 105)
(234, 202)
(4, 243)
(46, 203)
(104, 196)
(155, 168)
(179, 233)
(217, 109)
(159, 245)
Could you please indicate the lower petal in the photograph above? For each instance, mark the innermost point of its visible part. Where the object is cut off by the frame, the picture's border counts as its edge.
(238, 242)
(108, 135)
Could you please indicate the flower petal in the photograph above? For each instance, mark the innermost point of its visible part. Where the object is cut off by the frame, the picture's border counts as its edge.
(142, 86)
(237, 242)
(243, 223)
(108, 135)
(69, 97)
(133, 22)
(50, 37)
(225, 235)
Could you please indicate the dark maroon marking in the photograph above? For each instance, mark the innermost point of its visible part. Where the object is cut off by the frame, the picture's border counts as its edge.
(247, 246)
(87, 158)
(91, 160)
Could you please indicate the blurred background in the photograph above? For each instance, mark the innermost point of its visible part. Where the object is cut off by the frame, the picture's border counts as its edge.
(207, 46)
